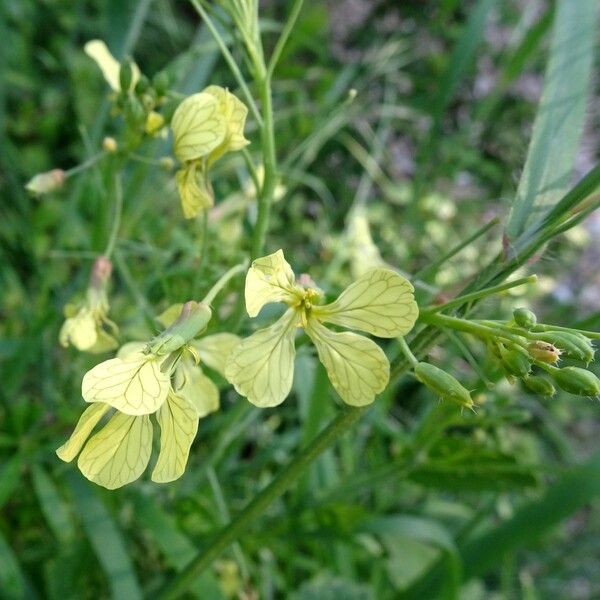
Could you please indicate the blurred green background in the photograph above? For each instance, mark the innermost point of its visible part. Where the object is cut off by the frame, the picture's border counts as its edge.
(417, 502)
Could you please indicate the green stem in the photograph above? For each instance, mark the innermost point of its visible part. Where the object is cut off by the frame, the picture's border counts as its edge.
(215, 289)
(116, 223)
(265, 198)
(229, 60)
(412, 359)
(477, 329)
(285, 34)
(460, 300)
(340, 425)
(85, 165)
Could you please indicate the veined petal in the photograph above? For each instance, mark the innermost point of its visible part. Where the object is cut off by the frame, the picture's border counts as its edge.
(215, 349)
(178, 422)
(130, 348)
(198, 127)
(133, 385)
(269, 279)
(196, 388)
(88, 420)
(168, 316)
(234, 112)
(262, 366)
(104, 342)
(119, 452)
(109, 65)
(381, 302)
(194, 190)
(357, 367)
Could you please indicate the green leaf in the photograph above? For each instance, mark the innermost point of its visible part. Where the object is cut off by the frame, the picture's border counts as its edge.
(177, 549)
(12, 581)
(10, 476)
(106, 540)
(560, 116)
(54, 508)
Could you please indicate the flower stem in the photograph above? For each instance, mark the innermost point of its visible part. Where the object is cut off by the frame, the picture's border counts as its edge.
(265, 198)
(340, 425)
(118, 211)
(85, 165)
(412, 359)
(479, 294)
(215, 289)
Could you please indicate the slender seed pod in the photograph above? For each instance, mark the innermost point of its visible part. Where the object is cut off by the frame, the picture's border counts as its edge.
(577, 381)
(443, 384)
(539, 385)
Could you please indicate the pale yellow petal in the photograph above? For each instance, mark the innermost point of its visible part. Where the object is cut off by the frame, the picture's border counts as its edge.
(198, 127)
(196, 388)
(119, 452)
(104, 342)
(356, 366)
(178, 426)
(270, 279)
(168, 316)
(234, 112)
(214, 350)
(88, 420)
(109, 65)
(381, 302)
(130, 348)
(80, 331)
(194, 190)
(262, 366)
(134, 385)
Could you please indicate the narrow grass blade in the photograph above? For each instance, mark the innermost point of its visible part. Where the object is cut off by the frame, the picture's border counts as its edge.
(12, 581)
(106, 540)
(54, 508)
(560, 116)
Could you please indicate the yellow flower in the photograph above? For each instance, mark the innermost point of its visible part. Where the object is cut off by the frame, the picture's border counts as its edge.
(205, 127)
(109, 65)
(84, 326)
(161, 378)
(380, 302)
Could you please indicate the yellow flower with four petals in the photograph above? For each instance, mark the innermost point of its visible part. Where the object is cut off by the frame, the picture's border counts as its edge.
(162, 378)
(381, 303)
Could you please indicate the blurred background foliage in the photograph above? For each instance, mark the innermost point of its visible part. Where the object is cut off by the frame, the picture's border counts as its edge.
(419, 501)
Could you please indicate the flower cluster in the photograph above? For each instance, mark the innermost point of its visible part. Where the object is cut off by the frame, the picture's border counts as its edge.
(381, 303)
(161, 378)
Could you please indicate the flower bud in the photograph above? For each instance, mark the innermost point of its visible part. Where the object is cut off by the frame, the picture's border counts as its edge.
(154, 122)
(516, 361)
(126, 75)
(577, 381)
(443, 384)
(524, 318)
(142, 85)
(193, 319)
(539, 385)
(109, 144)
(544, 352)
(101, 272)
(134, 112)
(571, 344)
(43, 183)
(167, 163)
(160, 82)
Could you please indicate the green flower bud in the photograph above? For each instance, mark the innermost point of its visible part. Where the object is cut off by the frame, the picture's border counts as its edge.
(135, 113)
(524, 318)
(544, 352)
(126, 74)
(572, 345)
(541, 386)
(193, 320)
(443, 384)
(160, 82)
(516, 361)
(577, 381)
(142, 85)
